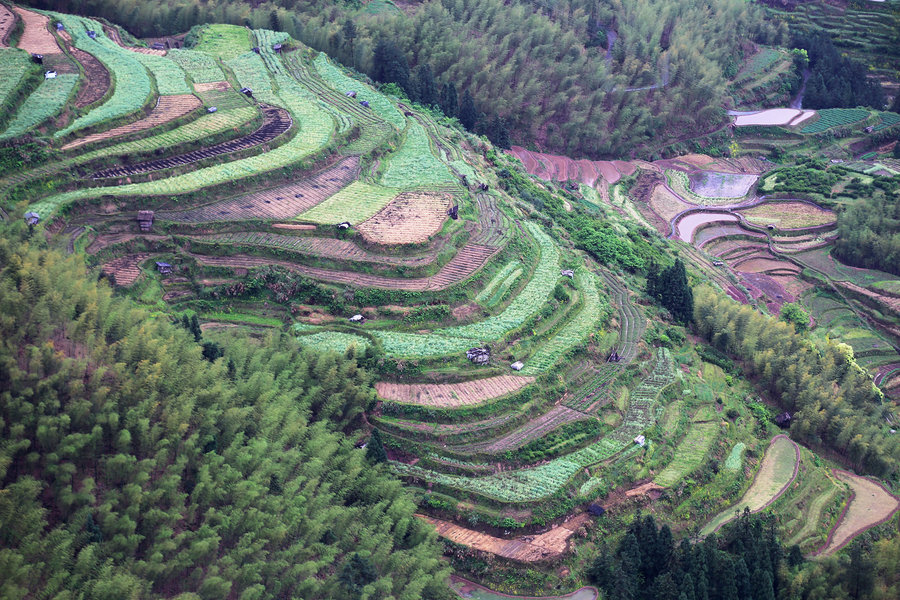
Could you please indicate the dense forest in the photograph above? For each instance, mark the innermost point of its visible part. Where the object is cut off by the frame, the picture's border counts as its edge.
(870, 233)
(131, 466)
(584, 78)
(834, 80)
(834, 403)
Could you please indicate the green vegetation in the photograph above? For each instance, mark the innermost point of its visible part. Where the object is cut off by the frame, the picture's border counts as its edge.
(835, 117)
(199, 66)
(43, 104)
(223, 41)
(169, 76)
(132, 82)
(364, 93)
(414, 165)
(85, 469)
(355, 203)
(691, 451)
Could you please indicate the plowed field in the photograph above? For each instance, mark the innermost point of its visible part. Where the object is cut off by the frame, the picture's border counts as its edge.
(871, 505)
(529, 548)
(36, 39)
(534, 429)
(452, 395)
(410, 218)
(167, 109)
(96, 78)
(125, 269)
(285, 202)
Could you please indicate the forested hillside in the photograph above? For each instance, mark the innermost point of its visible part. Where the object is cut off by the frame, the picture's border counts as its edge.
(584, 78)
(132, 467)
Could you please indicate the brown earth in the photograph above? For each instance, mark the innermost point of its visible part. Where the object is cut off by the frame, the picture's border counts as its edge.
(870, 505)
(526, 548)
(452, 395)
(410, 218)
(221, 86)
(167, 109)
(125, 269)
(37, 39)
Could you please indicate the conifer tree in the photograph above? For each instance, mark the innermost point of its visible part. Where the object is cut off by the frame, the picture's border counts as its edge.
(468, 115)
(449, 101)
(426, 87)
(375, 451)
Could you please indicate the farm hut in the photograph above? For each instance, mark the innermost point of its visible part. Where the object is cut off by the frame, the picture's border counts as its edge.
(50, 75)
(517, 366)
(479, 356)
(406, 113)
(357, 319)
(32, 218)
(277, 47)
(640, 441)
(614, 356)
(60, 26)
(37, 58)
(92, 34)
(718, 263)
(364, 103)
(596, 510)
(783, 420)
(568, 273)
(454, 212)
(145, 219)
(869, 129)
(351, 94)
(483, 187)
(211, 109)
(158, 46)
(164, 268)
(256, 49)
(770, 227)
(247, 92)
(344, 225)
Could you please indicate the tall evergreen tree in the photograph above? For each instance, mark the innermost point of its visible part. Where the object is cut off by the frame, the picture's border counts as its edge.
(426, 87)
(468, 114)
(449, 101)
(375, 451)
(390, 63)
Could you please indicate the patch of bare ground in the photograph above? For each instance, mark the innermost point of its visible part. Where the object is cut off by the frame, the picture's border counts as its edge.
(125, 270)
(283, 202)
(36, 39)
(526, 548)
(410, 218)
(96, 78)
(167, 109)
(294, 226)
(536, 428)
(452, 395)
(870, 505)
(212, 85)
(102, 241)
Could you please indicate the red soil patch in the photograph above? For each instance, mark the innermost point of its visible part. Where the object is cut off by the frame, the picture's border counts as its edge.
(526, 548)
(36, 39)
(625, 168)
(452, 395)
(608, 171)
(167, 109)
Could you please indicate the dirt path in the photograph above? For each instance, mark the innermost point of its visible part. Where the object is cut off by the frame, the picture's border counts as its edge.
(167, 109)
(870, 505)
(276, 122)
(37, 39)
(527, 548)
(532, 430)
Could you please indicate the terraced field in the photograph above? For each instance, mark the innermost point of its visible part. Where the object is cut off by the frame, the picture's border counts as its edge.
(410, 218)
(452, 395)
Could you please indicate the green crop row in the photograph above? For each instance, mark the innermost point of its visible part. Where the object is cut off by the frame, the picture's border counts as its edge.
(224, 41)
(251, 72)
(343, 84)
(414, 165)
(200, 66)
(333, 341)
(888, 119)
(503, 279)
(419, 345)
(14, 65)
(736, 458)
(573, 332)
(170, 77)
(45, 102)
(532, 298)
(132, 82)
(834, 117)
(315, 131)
(689, 454)
(355, 203)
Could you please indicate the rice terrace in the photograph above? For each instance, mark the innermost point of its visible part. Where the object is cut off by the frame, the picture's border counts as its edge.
(436, 358)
